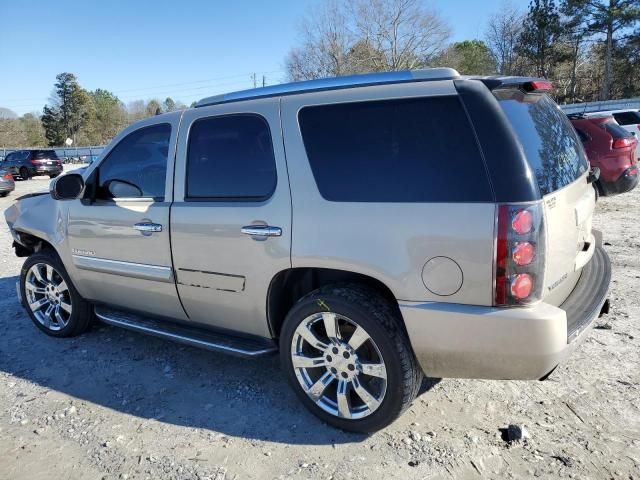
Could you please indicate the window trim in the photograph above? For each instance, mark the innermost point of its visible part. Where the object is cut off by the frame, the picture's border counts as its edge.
(96, 171)
(238, 199)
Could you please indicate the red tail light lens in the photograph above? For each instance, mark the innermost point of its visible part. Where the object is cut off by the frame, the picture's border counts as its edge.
(521, 286)
(8, 176)
(522, 222)
(519, 268)
(538, 86)
(34, 162)
(622, 142)
(523, 253)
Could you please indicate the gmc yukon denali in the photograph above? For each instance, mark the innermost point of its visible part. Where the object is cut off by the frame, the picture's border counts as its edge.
(372, 229)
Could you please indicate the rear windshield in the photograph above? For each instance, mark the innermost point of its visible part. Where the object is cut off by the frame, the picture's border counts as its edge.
(552, 147)
(615, 130)
(627, 118)
(45, 154)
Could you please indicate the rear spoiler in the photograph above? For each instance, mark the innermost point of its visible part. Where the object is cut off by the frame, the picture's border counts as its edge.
(526, 84)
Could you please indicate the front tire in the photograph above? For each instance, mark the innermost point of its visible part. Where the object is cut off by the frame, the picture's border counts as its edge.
(50, 298)
(348, 359)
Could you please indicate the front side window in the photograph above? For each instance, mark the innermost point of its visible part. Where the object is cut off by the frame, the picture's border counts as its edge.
(230, 157)
(137, 166)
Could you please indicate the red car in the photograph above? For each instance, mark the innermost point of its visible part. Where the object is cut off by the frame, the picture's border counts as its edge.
(612, 149)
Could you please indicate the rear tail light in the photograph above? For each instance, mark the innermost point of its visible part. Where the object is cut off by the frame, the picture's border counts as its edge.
(519, 267)
(8, 176)
(622, 142)
(34, 162)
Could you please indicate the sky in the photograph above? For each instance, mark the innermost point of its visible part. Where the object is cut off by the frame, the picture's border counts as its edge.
(141, 49)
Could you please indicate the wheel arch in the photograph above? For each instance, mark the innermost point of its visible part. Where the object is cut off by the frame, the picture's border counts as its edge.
(289, 285)
(28, 243)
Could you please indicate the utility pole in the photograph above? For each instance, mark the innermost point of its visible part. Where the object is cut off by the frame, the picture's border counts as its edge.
(254, 79)
(264, 81)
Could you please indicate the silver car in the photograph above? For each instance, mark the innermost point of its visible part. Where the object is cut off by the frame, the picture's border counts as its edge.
(373, 229)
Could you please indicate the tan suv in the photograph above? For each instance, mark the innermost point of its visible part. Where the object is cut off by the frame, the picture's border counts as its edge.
(372, 229)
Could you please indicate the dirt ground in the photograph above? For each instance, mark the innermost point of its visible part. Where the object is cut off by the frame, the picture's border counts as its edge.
(115, 405)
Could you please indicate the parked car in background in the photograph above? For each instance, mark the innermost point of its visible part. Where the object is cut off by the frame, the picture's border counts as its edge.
(319, 219)
(627, 119)
(25, 164)
(7, 184)
(612, 149)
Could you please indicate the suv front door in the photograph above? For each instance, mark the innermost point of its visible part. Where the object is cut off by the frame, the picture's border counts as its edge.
(119, 233)
(231, 216)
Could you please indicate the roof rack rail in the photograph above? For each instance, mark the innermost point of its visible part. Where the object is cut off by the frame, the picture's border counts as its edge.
(333, 83)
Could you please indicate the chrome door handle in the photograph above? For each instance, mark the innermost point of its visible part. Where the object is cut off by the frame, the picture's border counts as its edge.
(146, 227)
(261, 231)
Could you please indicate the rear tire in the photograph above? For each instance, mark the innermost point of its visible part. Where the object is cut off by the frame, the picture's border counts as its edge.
(54, 176)
(361, 384)
(24, 173)
(4, 194)
(50, 298)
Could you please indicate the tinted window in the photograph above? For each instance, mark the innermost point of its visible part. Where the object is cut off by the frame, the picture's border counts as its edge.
(45, 154)
(140, 159)
(615, 130)
(627, 118)
(551, 145)
(415, 150)
(230, 157)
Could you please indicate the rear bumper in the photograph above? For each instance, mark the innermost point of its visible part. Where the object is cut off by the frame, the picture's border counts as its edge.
(46, 170)
(625, 183)
(7, 187)
(453, 340)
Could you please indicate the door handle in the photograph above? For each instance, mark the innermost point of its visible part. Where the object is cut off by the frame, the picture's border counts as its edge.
(146, 227)
(261, 231)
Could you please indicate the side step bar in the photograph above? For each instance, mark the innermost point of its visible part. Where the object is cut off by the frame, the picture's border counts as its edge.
(196, 337)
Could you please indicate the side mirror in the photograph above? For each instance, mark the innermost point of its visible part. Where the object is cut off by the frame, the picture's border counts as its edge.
(122, 189)
(67, 187)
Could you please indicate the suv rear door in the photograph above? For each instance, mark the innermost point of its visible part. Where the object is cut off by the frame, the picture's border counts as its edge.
(557, 160)
(231, 216)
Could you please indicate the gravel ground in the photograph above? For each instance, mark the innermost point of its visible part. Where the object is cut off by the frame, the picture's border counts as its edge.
(113, 404)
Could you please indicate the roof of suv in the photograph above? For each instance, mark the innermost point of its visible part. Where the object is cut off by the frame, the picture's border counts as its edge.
(333, 83)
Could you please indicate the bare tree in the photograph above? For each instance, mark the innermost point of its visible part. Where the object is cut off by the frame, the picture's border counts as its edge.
(406, 33)
(326, 41)
(502, 37)
(354, 36)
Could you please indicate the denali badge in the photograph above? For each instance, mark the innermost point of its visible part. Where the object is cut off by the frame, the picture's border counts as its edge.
(88, 253)
(557, 282)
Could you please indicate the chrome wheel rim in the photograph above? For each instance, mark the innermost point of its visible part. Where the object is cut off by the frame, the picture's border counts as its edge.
(338, 365)
(48, 296)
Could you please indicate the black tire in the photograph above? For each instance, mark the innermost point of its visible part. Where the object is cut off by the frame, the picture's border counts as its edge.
(382, 323)
(4, 194)
(81, 316)
(54, 176)
(24, 173)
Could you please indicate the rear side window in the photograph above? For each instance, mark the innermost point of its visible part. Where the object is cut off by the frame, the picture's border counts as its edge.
(627, 118)
(552, 147)
(45, 154)
(414, 150)
(230, 158)
(615, 130)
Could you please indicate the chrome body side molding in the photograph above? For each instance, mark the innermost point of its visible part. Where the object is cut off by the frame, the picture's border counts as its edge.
(158, 273)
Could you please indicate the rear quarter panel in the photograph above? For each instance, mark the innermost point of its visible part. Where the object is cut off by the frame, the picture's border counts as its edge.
(390, 242)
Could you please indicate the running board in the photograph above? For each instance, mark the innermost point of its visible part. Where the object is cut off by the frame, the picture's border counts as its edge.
(196, 337)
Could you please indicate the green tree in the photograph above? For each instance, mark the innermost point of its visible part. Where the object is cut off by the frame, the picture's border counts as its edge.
(110, 116)
(542, 30)
(169, 105)
(33, 130)
(153, 108)
(609, 18)
(470, 57)
(67, 111)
